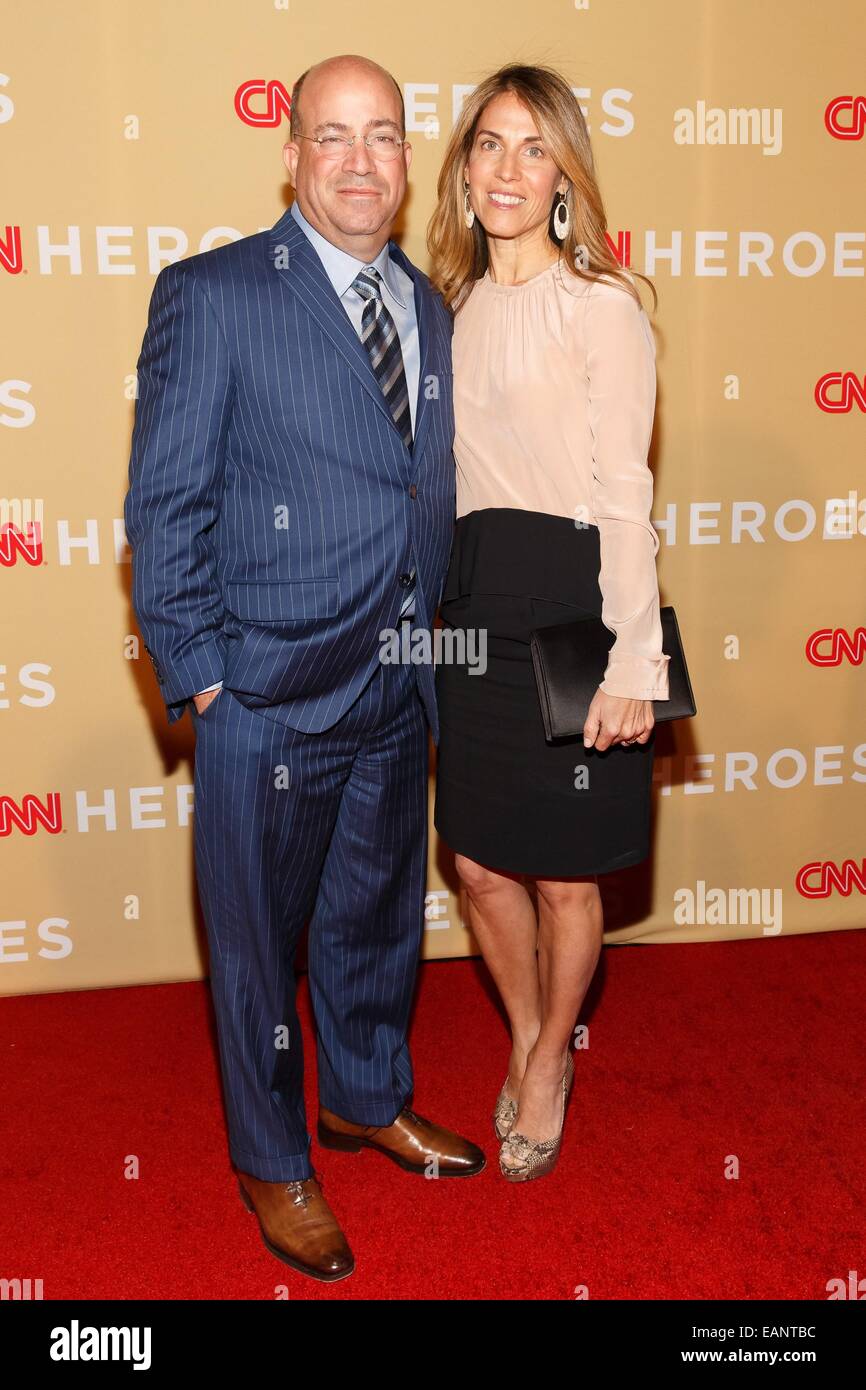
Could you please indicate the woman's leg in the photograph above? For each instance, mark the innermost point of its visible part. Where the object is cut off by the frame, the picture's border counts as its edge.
(570, 928)
(503, 922)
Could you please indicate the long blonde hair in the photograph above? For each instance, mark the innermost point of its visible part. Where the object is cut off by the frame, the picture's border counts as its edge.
(459, 254)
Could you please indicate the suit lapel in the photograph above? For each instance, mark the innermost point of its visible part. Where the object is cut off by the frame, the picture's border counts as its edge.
(293, 258)
(424, 317)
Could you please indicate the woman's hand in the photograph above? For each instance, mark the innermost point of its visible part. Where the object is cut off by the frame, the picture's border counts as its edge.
(614, 719)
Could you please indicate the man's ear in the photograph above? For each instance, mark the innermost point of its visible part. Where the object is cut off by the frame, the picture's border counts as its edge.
(291, 155)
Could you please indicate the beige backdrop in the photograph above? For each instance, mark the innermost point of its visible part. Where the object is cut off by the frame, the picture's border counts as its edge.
(729, 139)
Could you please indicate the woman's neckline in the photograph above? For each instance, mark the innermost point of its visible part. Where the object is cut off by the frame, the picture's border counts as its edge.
(524, 284)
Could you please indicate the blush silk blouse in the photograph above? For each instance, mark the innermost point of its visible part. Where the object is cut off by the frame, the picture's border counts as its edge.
(554, 399)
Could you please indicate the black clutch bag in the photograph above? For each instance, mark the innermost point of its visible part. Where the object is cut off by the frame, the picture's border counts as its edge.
(570, 660)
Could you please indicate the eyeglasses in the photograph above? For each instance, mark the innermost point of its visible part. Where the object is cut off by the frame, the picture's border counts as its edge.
(338, 146)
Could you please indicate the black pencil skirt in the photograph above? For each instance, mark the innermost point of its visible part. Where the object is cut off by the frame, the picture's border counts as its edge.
(505, 797)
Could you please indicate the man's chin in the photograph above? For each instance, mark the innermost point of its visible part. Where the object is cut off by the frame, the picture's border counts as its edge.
(361, 220)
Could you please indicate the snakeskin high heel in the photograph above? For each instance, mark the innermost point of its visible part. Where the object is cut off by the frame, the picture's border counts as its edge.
(504, 1115)
(536, 1157)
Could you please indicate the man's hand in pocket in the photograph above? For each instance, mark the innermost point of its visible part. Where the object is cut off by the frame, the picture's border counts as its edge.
(202, 701)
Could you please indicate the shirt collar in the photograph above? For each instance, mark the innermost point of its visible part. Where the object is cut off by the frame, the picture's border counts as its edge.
(341, 268)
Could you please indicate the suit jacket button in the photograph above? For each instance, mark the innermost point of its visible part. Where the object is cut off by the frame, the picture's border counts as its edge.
(405, 581)
(413, 491)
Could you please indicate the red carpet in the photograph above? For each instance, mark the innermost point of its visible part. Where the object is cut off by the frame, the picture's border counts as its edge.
(753, 1049)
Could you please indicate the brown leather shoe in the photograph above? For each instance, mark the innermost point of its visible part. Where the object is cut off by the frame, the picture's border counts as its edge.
(297, 1226)
(411, 1141)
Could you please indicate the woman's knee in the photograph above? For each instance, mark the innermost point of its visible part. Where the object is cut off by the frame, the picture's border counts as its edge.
(560, 894)
(478, 880)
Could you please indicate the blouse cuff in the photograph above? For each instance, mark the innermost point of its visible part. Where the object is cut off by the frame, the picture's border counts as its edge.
(637, 678)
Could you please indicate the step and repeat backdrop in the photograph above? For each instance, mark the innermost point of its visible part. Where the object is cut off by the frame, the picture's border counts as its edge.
(730, 144)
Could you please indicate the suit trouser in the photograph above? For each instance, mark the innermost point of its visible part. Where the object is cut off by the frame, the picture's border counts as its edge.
(330, 827)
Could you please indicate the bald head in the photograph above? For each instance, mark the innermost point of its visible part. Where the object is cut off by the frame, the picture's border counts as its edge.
(348, 67)
(351, 193)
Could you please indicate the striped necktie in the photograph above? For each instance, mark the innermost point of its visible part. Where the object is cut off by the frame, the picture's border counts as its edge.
(380, 338)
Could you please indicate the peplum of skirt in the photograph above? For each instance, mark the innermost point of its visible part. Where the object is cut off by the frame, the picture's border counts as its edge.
(505, 797)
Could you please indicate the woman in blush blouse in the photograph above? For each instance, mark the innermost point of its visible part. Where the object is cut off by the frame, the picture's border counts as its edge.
(554, 393)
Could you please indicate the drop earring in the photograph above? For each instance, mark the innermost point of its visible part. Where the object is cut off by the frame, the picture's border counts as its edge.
(561, 218)
(468, 214)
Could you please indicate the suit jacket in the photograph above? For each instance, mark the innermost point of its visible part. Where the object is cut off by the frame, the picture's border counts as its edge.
(273, 507)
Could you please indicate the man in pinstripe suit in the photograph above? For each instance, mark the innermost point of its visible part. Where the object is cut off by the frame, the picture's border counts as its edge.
(291, 498)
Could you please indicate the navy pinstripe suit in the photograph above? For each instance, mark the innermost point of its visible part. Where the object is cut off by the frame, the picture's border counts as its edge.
(272, 509)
